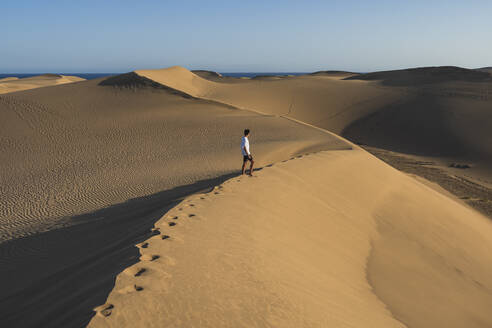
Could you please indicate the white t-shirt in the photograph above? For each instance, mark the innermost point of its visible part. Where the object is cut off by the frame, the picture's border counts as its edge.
(245, 144)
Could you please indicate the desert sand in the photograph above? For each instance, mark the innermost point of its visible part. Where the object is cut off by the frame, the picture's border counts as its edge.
(311, 242)
(109, 215)
(13, 84)
(439, 130)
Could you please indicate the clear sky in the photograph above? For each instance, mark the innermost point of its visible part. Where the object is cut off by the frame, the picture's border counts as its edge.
(242, 36)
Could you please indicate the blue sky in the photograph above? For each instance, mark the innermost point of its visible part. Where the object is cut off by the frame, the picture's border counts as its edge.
(242, 36)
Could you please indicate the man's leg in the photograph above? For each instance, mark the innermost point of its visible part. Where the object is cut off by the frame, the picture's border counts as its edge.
(244, 166)
(251, 167)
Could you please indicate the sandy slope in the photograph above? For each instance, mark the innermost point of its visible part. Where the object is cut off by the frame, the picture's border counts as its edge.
(335, 239)
(79, 147)
(444, 119)
(324, 100)
(446, 113)
(13, 84)
(94, 165)
(439, 113)
(486, 69)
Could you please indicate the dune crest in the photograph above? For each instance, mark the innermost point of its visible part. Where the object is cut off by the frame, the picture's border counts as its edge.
(424, 75)
(324, 100)
(11, 78)
(178, 78)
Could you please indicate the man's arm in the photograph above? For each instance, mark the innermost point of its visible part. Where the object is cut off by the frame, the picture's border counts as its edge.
(247, 152)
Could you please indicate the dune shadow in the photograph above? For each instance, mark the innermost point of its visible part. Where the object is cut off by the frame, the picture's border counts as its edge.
(133, 81)
(56, 278)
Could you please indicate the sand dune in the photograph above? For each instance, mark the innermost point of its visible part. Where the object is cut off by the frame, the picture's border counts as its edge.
(443, 119)
(336, 238)
(13, 84)
(424, 75)
(209, 75)
(324, 101)
(311, 242)
(486, 69)
(440, 130)
(451, 119)
(77, 141)
(5, 79)
(92, 165)
(434, 111)
(333, 73)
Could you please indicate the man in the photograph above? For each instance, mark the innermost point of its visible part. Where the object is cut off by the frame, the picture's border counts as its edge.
(246, 154)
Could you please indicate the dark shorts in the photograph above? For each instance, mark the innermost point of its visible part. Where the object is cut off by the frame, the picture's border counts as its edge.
(247, 158)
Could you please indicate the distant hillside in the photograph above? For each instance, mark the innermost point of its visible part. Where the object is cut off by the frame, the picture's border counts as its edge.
(207, 74)
(331, 73)
(14, 84)
(424, 75)
(485, 69)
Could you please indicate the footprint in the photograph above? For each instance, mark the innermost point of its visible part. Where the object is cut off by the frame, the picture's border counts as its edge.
(216, 192)
(130, 289)
(155, 231)
(171, 224)
(140, 272)
(143, 245)
(148, 257)
(191, 215)
(104, 310)
(202, 197)
(165, 237)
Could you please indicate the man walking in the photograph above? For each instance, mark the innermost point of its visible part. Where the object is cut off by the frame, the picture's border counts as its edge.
(246, 153)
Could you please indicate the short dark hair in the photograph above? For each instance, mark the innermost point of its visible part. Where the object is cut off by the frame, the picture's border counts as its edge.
(246, 132)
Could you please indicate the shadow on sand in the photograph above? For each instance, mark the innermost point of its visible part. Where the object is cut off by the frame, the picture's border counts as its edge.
(56, 278)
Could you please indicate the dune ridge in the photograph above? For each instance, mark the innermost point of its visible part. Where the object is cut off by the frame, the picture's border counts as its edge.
(320, 246)
(486, 69)
(424, 75)
(325, 101)
(13, 84)
(432, 111)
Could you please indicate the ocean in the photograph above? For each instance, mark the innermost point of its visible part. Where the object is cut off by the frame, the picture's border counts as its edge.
(90, 76)
(87, 76)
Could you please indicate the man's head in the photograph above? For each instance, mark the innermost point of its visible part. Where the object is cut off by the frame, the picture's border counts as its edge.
(246, 132)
